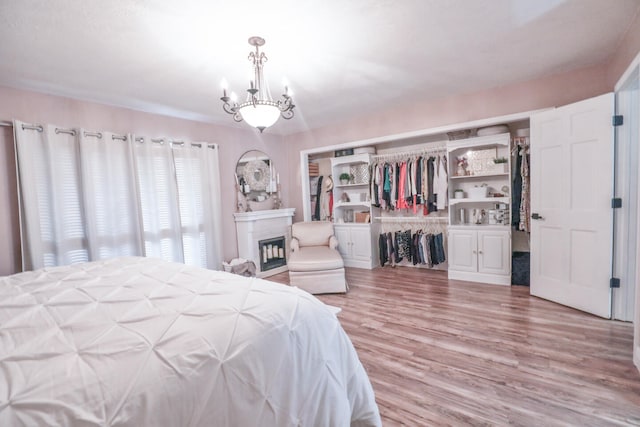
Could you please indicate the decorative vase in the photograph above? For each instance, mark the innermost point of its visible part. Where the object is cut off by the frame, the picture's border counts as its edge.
(461, 171)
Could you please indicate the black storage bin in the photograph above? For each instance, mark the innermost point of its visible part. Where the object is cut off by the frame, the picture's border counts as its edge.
(520, 268)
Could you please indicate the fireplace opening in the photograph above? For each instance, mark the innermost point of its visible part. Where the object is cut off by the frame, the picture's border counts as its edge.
(272, 253)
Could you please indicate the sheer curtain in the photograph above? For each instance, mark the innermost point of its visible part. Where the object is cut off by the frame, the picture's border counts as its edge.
(50, 215)
(159, 199)
(109, 195)
(86, 196)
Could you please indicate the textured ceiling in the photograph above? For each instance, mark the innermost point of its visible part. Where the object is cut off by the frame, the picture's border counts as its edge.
(341, 58)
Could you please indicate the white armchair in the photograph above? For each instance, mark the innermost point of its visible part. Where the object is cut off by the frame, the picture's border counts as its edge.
(315, 264)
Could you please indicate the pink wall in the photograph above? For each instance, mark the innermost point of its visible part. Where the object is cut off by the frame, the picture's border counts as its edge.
(34, 107)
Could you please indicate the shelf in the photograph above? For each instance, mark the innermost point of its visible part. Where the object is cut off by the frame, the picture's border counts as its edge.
(486, 175)
(351, 204)
(351, 185)
(480, 142)
(480, 227)
(483, 200)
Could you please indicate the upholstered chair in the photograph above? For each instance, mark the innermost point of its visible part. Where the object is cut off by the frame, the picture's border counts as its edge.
(315, 264)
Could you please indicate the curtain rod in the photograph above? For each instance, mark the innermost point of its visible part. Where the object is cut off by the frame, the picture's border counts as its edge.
(99, 135)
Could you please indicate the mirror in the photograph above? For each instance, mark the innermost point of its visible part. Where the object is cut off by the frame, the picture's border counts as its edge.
(256, 182)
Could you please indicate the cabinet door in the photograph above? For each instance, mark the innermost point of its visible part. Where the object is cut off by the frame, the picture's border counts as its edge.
(344, 241)
(361, 243)
(462, 250)
(494, 250)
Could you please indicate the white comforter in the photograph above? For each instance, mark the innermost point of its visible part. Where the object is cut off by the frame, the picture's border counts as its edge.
(141, 342)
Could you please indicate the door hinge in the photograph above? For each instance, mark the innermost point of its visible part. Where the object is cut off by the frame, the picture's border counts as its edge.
(616, 203)
(617, 120)
(614, 282)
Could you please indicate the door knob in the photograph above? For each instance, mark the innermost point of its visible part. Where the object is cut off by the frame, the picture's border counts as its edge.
(536, 216)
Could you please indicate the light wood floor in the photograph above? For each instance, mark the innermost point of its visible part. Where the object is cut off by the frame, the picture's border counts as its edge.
(442, 352)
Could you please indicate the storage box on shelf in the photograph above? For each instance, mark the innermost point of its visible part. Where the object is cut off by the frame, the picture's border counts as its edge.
(352, 210)
(479, 201)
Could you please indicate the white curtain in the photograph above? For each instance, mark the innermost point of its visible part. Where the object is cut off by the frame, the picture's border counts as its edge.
(109, 196)
(86, 196)
(159, 199)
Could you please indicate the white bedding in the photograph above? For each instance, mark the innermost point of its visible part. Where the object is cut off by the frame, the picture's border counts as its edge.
(141, 342)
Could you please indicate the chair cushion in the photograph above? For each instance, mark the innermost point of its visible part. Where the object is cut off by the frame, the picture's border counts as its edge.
(313, 258)
(315, 233)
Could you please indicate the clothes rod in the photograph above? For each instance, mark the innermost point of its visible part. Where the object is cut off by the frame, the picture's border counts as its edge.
(431, 150)
(6, 123)
(411, 219)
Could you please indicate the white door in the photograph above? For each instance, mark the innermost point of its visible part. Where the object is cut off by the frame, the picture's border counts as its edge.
(494, 252)
(571, 190)
(463, 254)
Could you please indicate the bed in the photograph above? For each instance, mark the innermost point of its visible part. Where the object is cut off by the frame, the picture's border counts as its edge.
(142, 342)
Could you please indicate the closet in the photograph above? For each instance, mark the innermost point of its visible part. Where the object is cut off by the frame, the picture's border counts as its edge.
(414, 187)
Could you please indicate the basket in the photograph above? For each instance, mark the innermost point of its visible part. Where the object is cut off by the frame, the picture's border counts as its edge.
(362, 217)
(478, 192)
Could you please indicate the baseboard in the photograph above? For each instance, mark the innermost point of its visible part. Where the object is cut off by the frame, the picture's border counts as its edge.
(491, 279)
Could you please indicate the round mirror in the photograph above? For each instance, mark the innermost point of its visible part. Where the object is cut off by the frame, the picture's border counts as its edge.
(254, 178)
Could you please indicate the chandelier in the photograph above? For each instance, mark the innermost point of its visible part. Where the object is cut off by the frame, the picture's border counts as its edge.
(259, 110)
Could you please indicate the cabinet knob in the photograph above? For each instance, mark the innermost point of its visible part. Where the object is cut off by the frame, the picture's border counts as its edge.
(474, 252)
(480, 252)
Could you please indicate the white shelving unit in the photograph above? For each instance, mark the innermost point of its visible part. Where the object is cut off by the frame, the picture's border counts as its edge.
(352, 205)
(479, 230)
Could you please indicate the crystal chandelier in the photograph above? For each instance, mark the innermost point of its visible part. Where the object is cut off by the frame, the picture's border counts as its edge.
(259, 110)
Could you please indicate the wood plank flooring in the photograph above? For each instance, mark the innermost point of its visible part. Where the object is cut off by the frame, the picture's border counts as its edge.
(442, 352)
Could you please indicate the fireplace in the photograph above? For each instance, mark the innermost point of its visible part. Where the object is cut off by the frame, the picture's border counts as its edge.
(272, 253)
(256, 231)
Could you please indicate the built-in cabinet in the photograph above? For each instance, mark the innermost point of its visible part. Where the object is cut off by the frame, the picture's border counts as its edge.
(479, 202)
(480, 255)
(355, 244)
(352, 210)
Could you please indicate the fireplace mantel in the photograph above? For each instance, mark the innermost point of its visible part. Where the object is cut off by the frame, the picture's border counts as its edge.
(253, 227)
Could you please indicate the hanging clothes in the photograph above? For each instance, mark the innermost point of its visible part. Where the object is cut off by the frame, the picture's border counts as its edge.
(516, 197)
(326, 196)
(431, 198)
(383, 249)
(441, 186)
(426, 249)
(316, 213)
(401, 202)
(410, 183)
(525, 207)
(417, 248)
